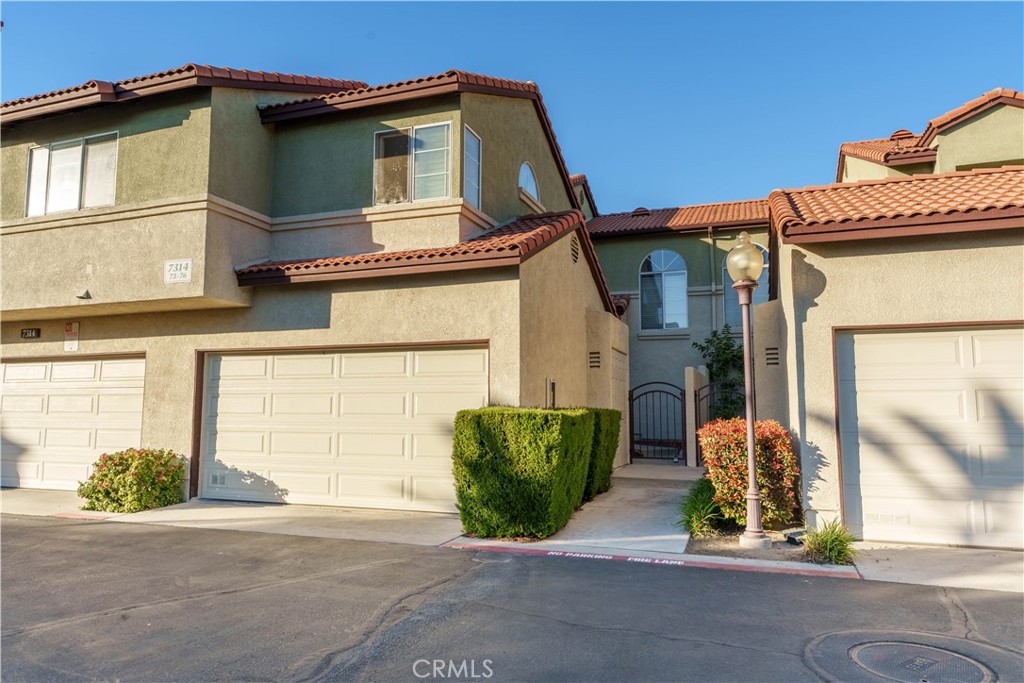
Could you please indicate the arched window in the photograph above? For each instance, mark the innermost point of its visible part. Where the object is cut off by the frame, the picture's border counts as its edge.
(733, 313)
(663, 303)
(528, 181)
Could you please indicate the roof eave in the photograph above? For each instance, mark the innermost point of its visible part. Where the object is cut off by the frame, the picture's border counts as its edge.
(665, 230)
(1008, 218)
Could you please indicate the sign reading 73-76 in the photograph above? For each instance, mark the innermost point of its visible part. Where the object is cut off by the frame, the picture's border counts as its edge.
(179, 270)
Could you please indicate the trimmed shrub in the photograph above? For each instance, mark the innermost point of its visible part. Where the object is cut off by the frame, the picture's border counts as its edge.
(520, 472)
(698, 512)
(602, 457)
(829, 544)
(724, 445)
(134, 480)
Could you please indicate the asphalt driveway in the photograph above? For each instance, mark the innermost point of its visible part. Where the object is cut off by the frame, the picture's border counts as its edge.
(95, 600)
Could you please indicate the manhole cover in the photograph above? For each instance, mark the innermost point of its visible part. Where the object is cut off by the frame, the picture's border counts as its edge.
(912, 663)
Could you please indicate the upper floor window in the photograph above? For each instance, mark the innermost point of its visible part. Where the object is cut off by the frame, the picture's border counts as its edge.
(71, 175)
(412, 164)
(471, 168)
(733, 312)
(663, 304)
(528, 181)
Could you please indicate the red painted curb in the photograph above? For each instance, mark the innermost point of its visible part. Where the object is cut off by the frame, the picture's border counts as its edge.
(801, 571)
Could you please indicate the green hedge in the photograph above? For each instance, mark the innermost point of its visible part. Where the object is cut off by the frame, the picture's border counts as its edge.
(520, 472)
(602, 458)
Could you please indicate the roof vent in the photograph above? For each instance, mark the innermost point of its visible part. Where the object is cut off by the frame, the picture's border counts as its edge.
(901, 134)
(640, 211)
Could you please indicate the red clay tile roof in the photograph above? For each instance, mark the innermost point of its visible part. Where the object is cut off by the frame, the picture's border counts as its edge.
(981, 199)
(700, 216)
(580, 180)
(507, 245)
(453, 81)
(189, 75)
(969, 109)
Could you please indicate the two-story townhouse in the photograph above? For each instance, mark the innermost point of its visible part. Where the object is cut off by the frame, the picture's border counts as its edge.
(898, 301)
(667, 268)
(296, 282)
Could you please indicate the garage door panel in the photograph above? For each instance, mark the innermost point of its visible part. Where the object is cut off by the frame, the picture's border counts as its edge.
(64, 475)
(931, 446)
(378, 425)
(75, 372)
(68, 438)
(112, 440)
(25, 403)
(72, 404)
(25, 372)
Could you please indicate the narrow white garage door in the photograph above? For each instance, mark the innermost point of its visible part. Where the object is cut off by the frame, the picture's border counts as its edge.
(364, 429)
(932, 435)
(58, 417)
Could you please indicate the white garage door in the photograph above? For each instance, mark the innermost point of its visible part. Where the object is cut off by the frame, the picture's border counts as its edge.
(58, 417)
(932, 435)
(363, 429)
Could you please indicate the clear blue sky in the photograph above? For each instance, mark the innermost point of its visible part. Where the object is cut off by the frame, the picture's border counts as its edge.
(660, 104)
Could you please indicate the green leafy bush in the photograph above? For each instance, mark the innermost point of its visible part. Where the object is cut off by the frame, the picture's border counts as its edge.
(602, 457)
(831, 543)
(698, 512)
(520, 472)
(134, 480)
(723, 356)
(724, 446)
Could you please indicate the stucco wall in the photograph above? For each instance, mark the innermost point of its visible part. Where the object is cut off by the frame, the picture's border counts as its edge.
(480, 305)
(326, 163)
(858, 169)
(993, 137)
(162, 148)
(557, 296)
(908, 281)
(662, 355)
(511, 133)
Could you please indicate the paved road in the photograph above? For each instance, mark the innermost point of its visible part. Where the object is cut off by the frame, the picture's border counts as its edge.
(86, 600)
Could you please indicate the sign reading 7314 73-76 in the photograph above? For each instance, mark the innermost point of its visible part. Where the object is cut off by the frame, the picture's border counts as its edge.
(179, 270)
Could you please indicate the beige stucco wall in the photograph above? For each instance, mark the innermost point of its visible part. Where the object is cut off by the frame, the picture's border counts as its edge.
(511, 133)
(994, 137)
(908, 281)
(480, 305)
(858, 169)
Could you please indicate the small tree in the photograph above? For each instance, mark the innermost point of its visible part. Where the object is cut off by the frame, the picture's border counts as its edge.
(724, 360)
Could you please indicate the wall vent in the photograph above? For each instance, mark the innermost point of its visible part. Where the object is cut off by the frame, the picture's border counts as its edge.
(574, 248)
(771, 355)
(595, 359)
(218, 479)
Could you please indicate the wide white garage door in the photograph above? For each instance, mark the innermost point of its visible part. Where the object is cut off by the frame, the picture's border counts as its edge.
(58, 417)
(364, 429)
(932, 435)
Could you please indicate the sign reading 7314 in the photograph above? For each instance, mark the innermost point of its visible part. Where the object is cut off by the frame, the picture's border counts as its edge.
(179, 270)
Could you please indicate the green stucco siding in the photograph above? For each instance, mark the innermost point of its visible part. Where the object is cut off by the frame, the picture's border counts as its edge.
(326, 163)
(620, 257)
(511, 133)
(162, 148)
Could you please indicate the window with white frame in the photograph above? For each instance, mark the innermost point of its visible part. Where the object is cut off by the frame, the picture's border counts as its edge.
(412, 164)
(733, 312)
(663, 302)
(528, 181)
(471, 153)
(72, 175)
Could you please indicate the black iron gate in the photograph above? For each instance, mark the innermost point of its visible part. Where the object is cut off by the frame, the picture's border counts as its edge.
(712, 401)
(656, 421)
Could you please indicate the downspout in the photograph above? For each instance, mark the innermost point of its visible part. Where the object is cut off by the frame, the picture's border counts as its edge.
(711, 263)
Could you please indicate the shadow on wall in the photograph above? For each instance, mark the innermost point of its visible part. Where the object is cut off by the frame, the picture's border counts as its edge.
(898, 445)
(10, 454)
(226, 482)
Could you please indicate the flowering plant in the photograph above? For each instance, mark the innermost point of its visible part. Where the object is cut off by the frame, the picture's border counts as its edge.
(724, 446)
(134, 480)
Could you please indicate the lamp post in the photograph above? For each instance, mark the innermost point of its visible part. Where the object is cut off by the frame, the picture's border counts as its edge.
(745, 264)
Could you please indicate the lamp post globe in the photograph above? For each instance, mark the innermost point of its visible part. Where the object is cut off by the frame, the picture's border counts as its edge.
(745, 264)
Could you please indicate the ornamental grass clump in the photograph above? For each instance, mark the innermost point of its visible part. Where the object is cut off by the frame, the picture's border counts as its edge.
(724, 446)
(134, 480)
(831, 543)
(698, 512)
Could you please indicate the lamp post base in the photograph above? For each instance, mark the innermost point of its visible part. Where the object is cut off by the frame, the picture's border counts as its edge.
(755, 541)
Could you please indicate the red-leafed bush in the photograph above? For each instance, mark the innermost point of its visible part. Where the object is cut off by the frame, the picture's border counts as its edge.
(724, 446)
